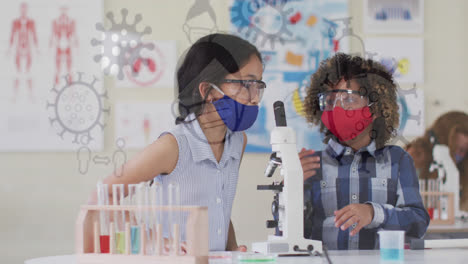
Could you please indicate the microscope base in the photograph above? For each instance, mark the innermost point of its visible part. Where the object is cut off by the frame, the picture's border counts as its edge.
(280, 246)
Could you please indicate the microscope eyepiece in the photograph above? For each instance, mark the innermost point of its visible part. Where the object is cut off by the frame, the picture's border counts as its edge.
(280, 115)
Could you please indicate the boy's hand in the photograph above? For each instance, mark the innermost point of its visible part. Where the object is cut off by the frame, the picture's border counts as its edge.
(359, 214)
(309, 164)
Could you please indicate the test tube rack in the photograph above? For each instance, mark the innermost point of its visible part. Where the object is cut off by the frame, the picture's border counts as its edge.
(87, 237)
(444, 212)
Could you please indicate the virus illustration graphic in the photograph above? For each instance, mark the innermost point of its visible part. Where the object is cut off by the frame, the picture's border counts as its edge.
(78, 108)
(403, 95)
(406, 116)
(121, 44)
(251, 20)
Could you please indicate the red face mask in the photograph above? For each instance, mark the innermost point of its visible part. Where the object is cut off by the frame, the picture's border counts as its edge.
(347, 124)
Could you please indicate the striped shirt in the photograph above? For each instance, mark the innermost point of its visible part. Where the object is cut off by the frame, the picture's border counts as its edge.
(385, 178)
(204, 181)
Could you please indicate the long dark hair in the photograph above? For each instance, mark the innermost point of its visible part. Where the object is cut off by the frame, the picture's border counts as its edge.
(209, 59)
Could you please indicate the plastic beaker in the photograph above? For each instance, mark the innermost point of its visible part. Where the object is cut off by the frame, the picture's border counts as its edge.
(392, 245)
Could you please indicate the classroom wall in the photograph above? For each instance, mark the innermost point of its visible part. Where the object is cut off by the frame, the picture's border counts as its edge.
(40, 193)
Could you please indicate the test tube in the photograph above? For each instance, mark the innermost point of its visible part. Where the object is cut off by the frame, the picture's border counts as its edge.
(103, 200)
(135, 217)
(422, 188)
(437, 204)
(147, 221)
(430, 205)
(118, 196)
(422, 185)
(156, 200)
(173, 202)
(444, 207)
(433, 186)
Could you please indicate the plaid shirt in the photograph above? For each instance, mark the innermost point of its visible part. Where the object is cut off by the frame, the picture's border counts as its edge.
(385, 178)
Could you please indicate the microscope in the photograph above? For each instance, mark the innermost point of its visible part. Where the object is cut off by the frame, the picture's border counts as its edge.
(289, 195)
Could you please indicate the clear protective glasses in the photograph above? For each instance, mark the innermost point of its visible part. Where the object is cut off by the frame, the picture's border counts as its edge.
(349, 99)
(245, 90)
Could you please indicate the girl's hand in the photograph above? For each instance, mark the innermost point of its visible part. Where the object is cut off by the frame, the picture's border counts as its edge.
(309, 163)
(242, 248)
(167, 247)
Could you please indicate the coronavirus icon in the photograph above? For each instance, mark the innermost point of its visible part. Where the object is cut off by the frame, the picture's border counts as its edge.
(78, 108)
(120, 44)
(262, 22)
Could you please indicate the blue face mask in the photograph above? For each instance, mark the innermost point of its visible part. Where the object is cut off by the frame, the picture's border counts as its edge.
(236, 116)
(458, 158)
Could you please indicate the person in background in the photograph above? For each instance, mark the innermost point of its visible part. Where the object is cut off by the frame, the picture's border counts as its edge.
(219, 88)
(450, 130)
(357, 185)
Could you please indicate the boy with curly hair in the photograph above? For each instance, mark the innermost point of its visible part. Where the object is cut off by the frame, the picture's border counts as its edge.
(357, 185)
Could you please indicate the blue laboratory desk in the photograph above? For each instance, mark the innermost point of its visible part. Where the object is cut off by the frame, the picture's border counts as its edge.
(428, 256)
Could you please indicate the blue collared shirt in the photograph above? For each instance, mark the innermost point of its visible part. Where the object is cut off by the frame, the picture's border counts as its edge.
(204, 181)
(385, 178)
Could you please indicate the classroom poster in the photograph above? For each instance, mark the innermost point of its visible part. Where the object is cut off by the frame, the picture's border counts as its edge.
(51, 97)
(293, 37)
(140, 124)
(396, 16)
(155, 66)
(406, 64)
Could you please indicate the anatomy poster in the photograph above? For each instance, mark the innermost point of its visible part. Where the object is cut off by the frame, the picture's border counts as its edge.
(293, 37)
(51, 97)
(154, 67)
(140, 124)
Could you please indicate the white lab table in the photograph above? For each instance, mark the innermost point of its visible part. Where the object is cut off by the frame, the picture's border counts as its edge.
(457, 230)
(459, 226)
(428, 256)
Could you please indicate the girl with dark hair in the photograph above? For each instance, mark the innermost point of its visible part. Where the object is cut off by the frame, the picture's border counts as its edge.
(219, 89)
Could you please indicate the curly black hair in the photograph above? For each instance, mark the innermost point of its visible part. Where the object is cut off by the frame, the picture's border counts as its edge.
(375, 82)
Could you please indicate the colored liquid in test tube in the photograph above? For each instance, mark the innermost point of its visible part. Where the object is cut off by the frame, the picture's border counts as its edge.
(135, 239)
(134, 228)
(105, 243)
(173, 202)
(103, 200)
(137, 198)
(118, 196)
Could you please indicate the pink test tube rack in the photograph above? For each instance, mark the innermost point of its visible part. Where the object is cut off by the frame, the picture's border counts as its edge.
(88, 247)
(436, 199)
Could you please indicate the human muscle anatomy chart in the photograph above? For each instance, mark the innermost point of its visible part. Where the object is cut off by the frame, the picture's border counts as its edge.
(49, 82)
(62, 40)
(23, 38)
